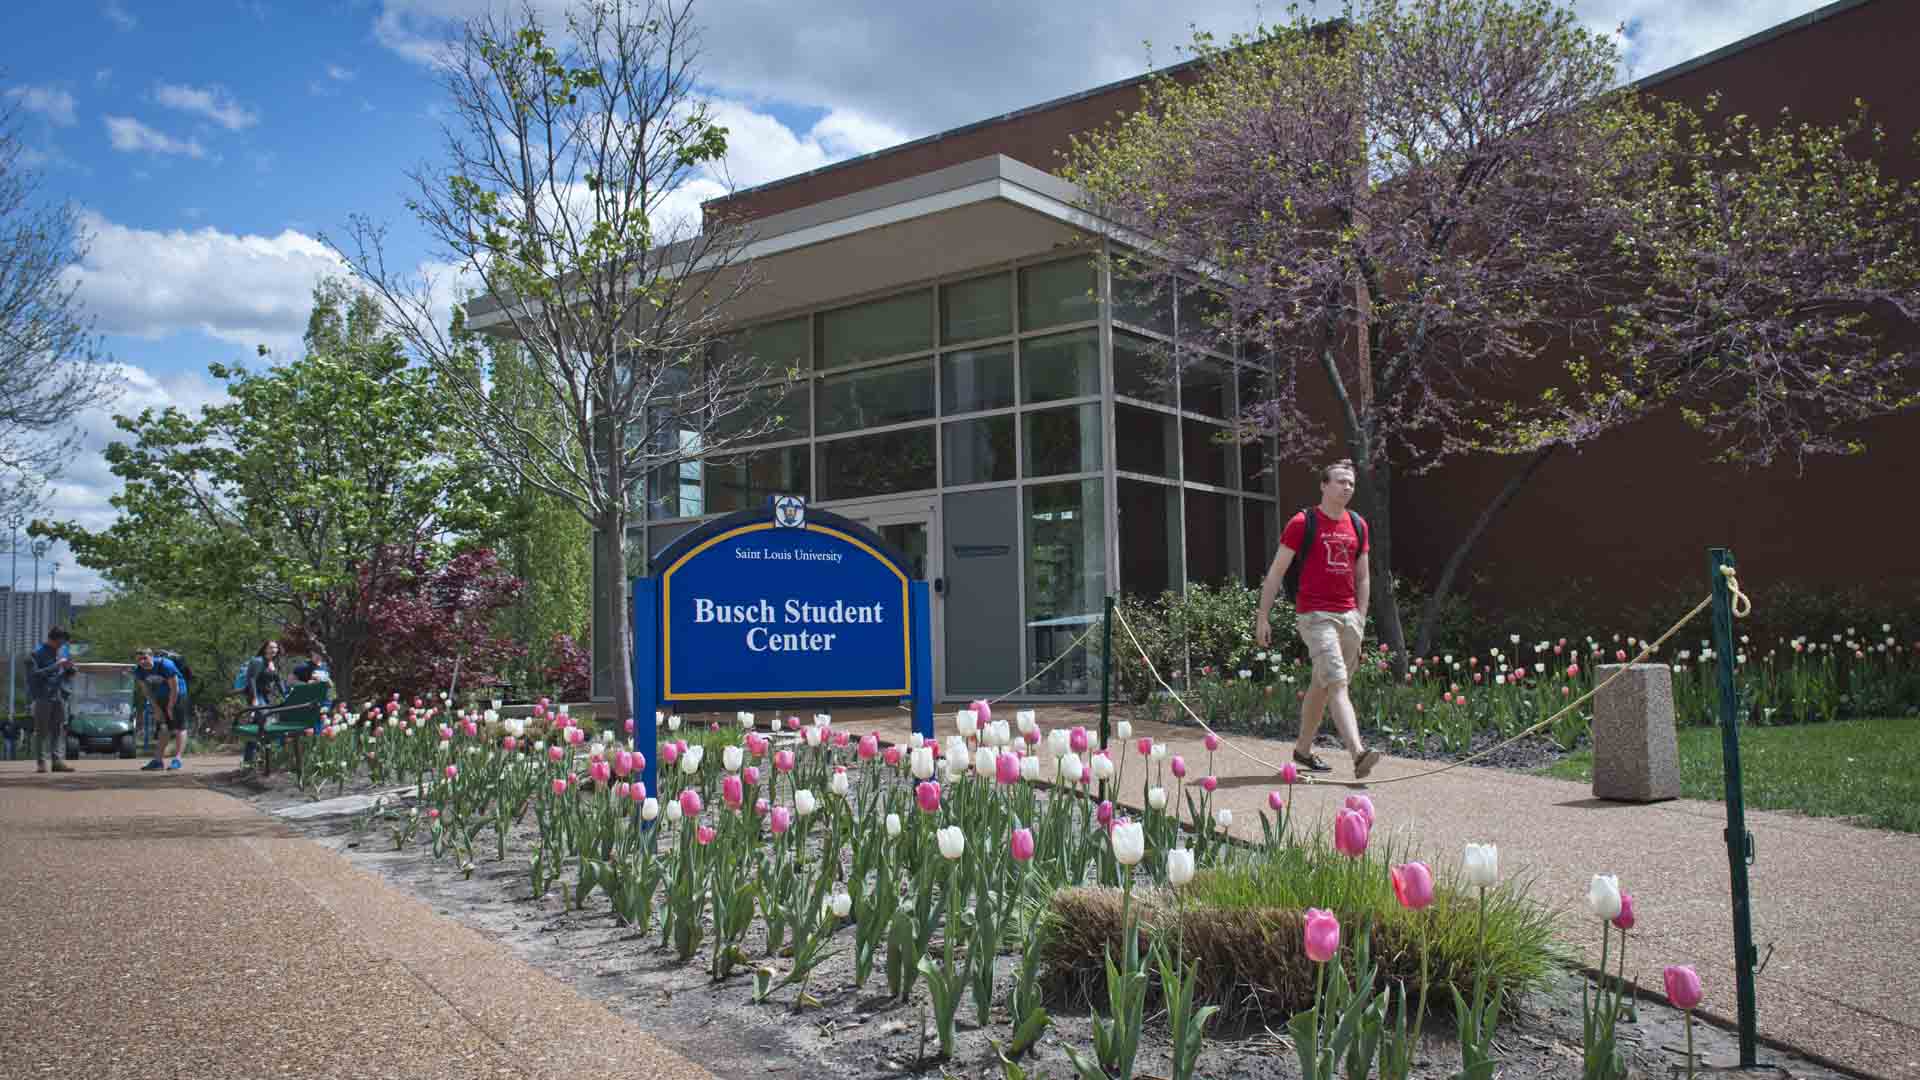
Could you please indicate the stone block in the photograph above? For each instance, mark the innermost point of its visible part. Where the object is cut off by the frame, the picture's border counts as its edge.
(1636, 755)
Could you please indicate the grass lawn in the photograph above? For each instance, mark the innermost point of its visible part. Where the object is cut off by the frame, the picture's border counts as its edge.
(1863, 769)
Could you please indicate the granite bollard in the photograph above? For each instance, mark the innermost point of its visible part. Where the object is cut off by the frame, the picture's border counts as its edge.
(1636, 755)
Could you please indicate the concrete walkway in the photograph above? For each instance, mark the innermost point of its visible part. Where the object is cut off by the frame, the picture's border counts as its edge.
(1836, 903)
(156, 929)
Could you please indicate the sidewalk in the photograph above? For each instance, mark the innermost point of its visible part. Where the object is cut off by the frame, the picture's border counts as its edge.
(157, 929)
(1834, 901)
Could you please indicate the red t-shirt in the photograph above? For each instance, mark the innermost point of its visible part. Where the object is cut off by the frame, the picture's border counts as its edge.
(1326, 574)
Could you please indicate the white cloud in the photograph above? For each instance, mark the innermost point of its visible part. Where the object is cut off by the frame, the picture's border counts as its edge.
(761, 148)
(130, 136)
(339, 74)
(52, 102)
(212, 102)
(102, 76)
(244, 289)
(119, 16)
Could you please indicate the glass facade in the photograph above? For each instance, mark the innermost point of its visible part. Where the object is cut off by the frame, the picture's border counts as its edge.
(994, 385)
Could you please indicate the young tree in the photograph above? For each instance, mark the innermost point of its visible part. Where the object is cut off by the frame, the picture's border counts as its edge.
(215, 637)
(436, 626)
(50, 364)
(302, 495)
(565, 162)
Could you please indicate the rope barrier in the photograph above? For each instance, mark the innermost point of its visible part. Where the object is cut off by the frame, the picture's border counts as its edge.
(1742, 606)
(1064, 653)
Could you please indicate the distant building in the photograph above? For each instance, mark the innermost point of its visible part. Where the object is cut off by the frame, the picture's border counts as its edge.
(25, 617)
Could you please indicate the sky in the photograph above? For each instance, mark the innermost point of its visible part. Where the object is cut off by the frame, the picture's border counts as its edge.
(211, 146)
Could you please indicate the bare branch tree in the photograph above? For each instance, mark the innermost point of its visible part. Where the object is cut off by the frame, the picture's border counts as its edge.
(563, 202)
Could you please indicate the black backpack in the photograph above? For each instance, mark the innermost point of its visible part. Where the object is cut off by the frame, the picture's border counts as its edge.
(180, 662)
(1290, 581)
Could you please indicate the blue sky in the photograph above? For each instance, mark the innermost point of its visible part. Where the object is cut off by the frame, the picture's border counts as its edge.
(209, 145)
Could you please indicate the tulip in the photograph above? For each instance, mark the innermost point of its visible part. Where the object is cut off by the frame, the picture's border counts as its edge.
(1573, 671)
(1276, 802)
(955, 750)
(732, 758)
(637, 791)
(783, 761)
(891, 755)
(1021, 846)
(922, 765)
(670, 754)
(1179, 767)
(1077, 740)
(968, 722)
(600, 771)
(704, 834)
(1209, 783)
(1223, 819)
(782, 819)
(840, 739)
(620, 789)
(1363, 805)
(506, 744)
(1122, 730)
(453, 771)
(1350, 832)
(983, 711)
(469, 729)
(1289, 773)
(927, 795)
(1129, 843)
(1211, 742)
(1144, 746)
(1413, 885)
(953, 842)
(1032, 737)
(1102, 766)
(433, 815)
(1025, 722)
(757, 745)
(841, 905)
(1322, 935)
(1603, 897)
(1179, 866)
(690, 803)
(813, 737)
(1157, 798)
(869, 747)
(759, 808)
(915, 740)
(893, 825)
(744, 719)
(751, 774)
(732, 792)
(1104, 813)
(1071, 768)
(1624, 920)
(650, 809)
(1159, 751)
(1683, 986)
(575, 736)
(1058, 742)
(673, 723)
(559, 786)
(1482, 864)
(674, 812)
(1030, 769)
(837, 783)
(984, 761)
(623, 764)
(690, 760)
(1006, 769)
(804, 803)
(998, 734)
(554, 754)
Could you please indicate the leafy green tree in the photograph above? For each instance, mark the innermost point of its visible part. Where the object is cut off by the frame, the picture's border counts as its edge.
(215, 638)
(298, 497)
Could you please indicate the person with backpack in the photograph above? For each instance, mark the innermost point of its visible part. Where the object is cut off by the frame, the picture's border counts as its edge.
(1322, 565)
(164, 677)
(261, 682)
(48, 685)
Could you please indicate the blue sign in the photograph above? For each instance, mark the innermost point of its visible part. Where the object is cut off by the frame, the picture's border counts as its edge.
(783, 604)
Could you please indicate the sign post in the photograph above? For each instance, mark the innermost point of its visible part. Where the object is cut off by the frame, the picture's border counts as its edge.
(775, 606)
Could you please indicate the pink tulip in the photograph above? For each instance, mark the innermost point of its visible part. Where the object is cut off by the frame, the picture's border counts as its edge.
(1179, 766)
(690, 803)
(840, 740)
(1144, 745)
(575, 736)
(377, 732)
(446, 732)
(759, 808)
(1211, 742)
(891, 755)
(1077, 740)
(757, 745)
(623, 764)
(732, 792)
(433, 815)
(783, 761)
(1033, 737)
(1104, 814)
(637, 791)
(1322, 935)
(506, 744)
(629, 725)
(670, 753)
(751, 774)
(1022, 845)
(559, 786)
(1363, 805)
(782, 819)
(620, 789)
(1447, 697)
(573, 782)
(1683, 986)
(1573, 671)
(601, 772)
(453, 771)
(928, 796)
(869, 746)
(639, 761)
(982, 712)
(1624, 920)
(1208, 783)
(1289, 773)
(1275, 802)
(793, 723)
(704, 834)
(1620, 655)
(539, 712)
(1006, 768)
(1350, 832)
(1413, 885)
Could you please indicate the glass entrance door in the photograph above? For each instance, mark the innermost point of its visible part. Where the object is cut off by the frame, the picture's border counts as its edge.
(911, 524)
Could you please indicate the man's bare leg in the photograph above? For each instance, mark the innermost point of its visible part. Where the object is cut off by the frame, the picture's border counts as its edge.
(1344, 720)
(1312, 708)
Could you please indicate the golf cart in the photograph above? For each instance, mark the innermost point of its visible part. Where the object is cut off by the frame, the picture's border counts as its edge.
(100, 716)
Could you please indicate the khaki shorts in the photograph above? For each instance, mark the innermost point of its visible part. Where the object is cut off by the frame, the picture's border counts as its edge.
(1333, 643)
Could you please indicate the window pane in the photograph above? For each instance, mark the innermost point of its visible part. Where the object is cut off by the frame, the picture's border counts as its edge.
(1262, 537)
(1206, 455)
(1145, 441)
(1209, 525)
(1201, 316)
(975, 379)
(673, 491)
(1057, 293)
(876, 464)
(898, 324)
(1253, 466)
(873, 397)
(1066, 577)
(1144, 302)
(1062, 440)
(1142, 368)
(776, 347)
(1149, 537)
(1061, 366)
(744, 483)
(1203, 389)
(979, 451)
(781, 408)
(980, 308)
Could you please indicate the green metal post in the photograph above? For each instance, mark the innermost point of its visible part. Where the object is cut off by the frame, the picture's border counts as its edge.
(1739, 840)
(1106, 677)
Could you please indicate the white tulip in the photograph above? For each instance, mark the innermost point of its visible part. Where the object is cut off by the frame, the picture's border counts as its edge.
(744, 719)
(1179, 866)
(1603, 897)
(916, 740)
(953, 842)
(999, 733)
(815, 736)
(956, 749)
(842, 905)
(804, 803)
(1482, 864)
(1024, 721)
(1030, 769)
(1129, 843)
(956, 769)
(838, 784)
(673, 811)
(967, 721)
(921, 762)
(659, 716)
(1102, 767)
(651, 809)
(983, 761)
(540, 746)
(893, 824)
(821, 719)
(673, 723)
(732, 758)
(1071, 768)
(1159, 751)
(690, 761)
(1223, 819)
(1057, 742)
(444, 744)
(1157, 798)
(1123, 730)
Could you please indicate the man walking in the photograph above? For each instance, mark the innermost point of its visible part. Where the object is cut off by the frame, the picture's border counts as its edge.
(47, 686)
(1329, 603)
(166, 688)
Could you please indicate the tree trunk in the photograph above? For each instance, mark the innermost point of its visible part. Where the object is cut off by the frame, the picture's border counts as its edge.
(613, 552)
(1430, 615)
(1379, 515)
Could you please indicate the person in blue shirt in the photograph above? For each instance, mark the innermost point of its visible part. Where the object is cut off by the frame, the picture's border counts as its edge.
(166, 689)
(47, 685)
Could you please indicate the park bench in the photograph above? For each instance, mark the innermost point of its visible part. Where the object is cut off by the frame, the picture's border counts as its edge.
(298, 714)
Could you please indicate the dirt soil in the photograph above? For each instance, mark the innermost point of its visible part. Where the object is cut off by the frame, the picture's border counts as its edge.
(859, 1034)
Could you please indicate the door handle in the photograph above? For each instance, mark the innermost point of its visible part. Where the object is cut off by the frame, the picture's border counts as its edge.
(939, 585)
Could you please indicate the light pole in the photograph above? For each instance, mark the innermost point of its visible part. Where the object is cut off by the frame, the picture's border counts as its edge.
(13, 598)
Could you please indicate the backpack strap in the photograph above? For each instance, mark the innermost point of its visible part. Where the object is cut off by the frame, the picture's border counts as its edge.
(1359, 530)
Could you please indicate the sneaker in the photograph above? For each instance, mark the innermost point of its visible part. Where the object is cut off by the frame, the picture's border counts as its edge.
(39, 766)
(61, 766)
(176, 763)
(1311, 762)
(153, 766)
(1364, 764)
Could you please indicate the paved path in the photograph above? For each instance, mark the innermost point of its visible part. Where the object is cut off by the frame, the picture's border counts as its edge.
(1835, 902)
(157, 929)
